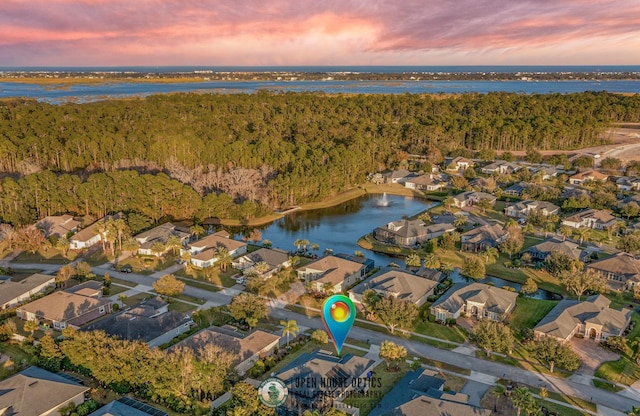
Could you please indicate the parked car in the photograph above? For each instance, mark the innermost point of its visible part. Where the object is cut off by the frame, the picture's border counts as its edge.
(126, 269)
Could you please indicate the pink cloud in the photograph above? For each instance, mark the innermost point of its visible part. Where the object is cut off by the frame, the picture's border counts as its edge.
(252, 32)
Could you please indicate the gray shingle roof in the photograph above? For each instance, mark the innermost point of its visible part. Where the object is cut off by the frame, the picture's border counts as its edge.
(561, 321)
(404, 285)
(495, 299)
(35, 391)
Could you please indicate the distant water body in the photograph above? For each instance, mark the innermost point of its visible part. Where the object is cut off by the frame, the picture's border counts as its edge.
(109, 90)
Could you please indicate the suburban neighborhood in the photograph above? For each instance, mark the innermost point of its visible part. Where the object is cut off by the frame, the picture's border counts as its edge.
(501, 296)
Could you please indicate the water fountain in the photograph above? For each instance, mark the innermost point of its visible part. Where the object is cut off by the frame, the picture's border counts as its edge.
(384, 202)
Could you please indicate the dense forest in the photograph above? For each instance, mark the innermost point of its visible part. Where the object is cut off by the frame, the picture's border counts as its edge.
(175, 154)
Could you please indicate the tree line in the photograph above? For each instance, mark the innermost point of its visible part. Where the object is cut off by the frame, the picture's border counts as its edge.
(160, 154)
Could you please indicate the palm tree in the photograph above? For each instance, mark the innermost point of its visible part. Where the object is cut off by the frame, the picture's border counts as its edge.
(314, 247)
(446, 268)
(121, 228)
(565, 231)
(289, 327)
(298, 244)
(101, 229)
(583, 234)
(267, 243)
(174, 243)
(522, 399)
(328, 251)
(510, 223)
(224, 258)
(196, 230)
(63, 245)
(448, 202)
(157, 248)
(431, 261)
(358, 253)
(304, 243)
(131, 245)
(412, 260)
(460, 220)
(490, 254)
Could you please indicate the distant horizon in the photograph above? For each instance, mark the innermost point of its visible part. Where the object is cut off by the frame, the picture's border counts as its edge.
(329, 68)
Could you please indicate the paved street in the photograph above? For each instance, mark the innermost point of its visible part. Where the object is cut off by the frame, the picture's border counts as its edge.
(621, 402)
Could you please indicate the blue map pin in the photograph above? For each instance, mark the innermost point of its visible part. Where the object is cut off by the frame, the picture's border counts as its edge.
(338, 315)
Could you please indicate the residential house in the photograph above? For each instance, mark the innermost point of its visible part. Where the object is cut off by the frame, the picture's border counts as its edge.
(90, 235)
(159, 234)
(431, 274)
(13, 293)
(517, 189)
(126, 406)
(149, 322)
(546, 172)
(590, 175)
(598, 219)
(522, 209)
(319, 370)
(410, 232)
(246, 349)
(434, 407)
(59, 225)
(332, 271)
(622, 270)
(397, 176)
(369, 264)
(72, 307)
(500, 166)
(458, 163)
(38, 392)
(591, 318)
(427, 388)
(204, 251)
(401, 284)
(626, 183)
(275, 260)
(474, 299)
(470, 198)
(424, 183)
(478, 239)
(542, 250)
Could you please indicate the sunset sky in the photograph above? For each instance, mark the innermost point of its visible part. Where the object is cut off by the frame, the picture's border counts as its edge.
(319, 32)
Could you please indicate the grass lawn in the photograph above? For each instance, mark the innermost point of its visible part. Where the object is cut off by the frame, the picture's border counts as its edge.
(14, 351)
(543, 279)
(529, 312)
(606, 386)
(369, 243)
(453, 383)
(97, 258)
(50, 255)
(212, 275)
(388, 380)
(148, 264)
(37, 334)
(116, 289)
(436, 330)
(623, 371)
(444, 366)
(334, 200)
(135, 299)
(200, 285)
(178, 306)
(123, 282)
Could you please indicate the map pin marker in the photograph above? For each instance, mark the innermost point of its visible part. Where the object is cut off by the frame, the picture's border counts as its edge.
(338, 315)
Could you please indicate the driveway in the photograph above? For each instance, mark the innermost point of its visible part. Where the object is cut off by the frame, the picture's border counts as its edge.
(591, 354)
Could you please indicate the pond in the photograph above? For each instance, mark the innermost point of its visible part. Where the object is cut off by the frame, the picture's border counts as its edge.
(340, 227)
